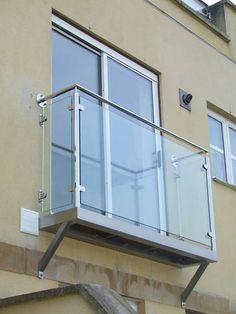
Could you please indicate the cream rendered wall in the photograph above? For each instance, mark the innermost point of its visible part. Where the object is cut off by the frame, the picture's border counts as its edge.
(15, 284)
(25, 69)
(184, 61)
(194, 24)
(223, 273)
(231, 28)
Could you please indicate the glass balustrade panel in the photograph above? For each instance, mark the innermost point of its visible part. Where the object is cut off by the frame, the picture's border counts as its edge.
(135, 173)
(59, 181)
(186, 191)
(92, 172)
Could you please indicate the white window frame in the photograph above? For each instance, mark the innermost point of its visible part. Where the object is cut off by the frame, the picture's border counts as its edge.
(226, 125)
(97, 44)
(231, 125)
(105, 53)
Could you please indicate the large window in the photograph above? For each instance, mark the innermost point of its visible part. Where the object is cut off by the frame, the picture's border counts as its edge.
(223, 148)
(117, 153)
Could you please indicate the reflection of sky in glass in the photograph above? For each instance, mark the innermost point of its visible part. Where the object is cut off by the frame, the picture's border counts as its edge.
(73, 63)
(216, 135)
(209, 2)
(129, 89)
(232, 136)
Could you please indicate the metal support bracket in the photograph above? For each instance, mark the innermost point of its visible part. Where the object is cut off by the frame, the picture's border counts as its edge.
(52, 248)
(41, 101)
(192, 284)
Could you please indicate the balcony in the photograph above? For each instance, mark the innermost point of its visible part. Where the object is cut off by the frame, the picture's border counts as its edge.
(124, 182)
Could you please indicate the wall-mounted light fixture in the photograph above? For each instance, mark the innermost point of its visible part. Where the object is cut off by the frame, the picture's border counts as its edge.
(185, 99)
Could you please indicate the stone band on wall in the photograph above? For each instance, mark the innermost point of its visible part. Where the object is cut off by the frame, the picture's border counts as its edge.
(25, 261)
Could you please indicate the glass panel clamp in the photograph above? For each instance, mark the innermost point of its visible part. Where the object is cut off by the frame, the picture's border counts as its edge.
(81, 107)
(41, 196)
(82, 188)
(42, 119)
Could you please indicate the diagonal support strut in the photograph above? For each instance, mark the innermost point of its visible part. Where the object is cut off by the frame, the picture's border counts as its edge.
(52, 248)
(192, 283)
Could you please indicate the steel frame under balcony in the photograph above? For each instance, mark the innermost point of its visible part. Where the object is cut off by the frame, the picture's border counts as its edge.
(64, 227)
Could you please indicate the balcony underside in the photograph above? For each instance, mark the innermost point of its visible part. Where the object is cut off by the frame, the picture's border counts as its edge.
(110, 233)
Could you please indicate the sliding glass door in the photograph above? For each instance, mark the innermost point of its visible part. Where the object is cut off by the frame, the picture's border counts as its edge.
(120, 158)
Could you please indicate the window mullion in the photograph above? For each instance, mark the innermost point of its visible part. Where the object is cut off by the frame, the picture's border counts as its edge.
(228, 160)
(106, 136)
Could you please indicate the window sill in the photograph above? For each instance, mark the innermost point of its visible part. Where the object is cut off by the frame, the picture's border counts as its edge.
(231, 186)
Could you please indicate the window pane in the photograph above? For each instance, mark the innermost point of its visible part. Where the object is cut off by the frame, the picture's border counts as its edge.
(216, 136)
(130, 90)
(218, 165)
(73, 63)
(232, 134)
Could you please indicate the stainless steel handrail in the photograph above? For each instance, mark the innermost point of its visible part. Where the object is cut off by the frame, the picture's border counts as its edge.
(41, 99)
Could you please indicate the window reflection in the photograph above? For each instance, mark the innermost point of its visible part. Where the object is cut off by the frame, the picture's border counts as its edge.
(129, 89)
